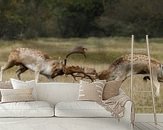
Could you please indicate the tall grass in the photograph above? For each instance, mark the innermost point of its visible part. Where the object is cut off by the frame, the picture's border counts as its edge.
(101, 52)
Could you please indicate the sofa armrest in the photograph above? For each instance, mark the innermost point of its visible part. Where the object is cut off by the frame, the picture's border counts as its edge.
(128, 109)
(127, 112)
(127, 118)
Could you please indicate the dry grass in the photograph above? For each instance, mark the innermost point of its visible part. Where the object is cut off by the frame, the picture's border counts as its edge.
(101, 52)
(142, 100)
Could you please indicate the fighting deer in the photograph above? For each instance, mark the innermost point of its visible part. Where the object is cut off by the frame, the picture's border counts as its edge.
(41, 63)
(120, 69)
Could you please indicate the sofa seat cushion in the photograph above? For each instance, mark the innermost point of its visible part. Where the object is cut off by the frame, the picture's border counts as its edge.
(26, 109)
(80, 109)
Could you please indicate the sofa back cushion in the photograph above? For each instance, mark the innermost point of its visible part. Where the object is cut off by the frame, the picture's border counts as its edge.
(55, 92)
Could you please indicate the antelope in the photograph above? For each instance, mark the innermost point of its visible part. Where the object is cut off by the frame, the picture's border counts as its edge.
(40, 63)
(120, 69)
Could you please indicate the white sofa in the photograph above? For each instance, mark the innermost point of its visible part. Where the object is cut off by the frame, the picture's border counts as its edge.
(65, 113)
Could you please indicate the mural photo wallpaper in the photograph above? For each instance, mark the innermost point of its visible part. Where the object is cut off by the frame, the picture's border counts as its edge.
(69, 40)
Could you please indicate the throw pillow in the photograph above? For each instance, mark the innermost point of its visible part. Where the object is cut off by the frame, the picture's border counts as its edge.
(111, 89)
(91, 91)
(18, 84)
(16, 95)
(5, 85)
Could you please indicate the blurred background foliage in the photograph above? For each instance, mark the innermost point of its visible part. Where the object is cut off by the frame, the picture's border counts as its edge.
(23, 19)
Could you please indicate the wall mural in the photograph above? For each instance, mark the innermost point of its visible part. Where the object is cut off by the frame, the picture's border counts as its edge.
(66, 41)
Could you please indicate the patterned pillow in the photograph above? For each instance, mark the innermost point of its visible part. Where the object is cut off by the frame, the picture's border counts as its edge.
(5, 85)
(16, 95)
(91, 91)
(111, 89)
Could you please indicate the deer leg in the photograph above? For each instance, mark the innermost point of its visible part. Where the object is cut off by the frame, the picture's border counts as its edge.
(155, 81)
(1, 74)
(49, 78)
(157, 85)
(21, 70)
(5, 67)
(37, 73)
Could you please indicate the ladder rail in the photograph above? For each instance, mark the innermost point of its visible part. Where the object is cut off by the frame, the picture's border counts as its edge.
(151, 78)
(132, 53)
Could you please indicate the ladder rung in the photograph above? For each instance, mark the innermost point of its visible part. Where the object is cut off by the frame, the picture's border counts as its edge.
(138, 50)
(144, 107)
(142, 91)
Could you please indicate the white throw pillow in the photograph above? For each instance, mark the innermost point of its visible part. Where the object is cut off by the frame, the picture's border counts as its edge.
(18, 84)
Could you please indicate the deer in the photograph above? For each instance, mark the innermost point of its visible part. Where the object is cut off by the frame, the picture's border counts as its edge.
(40, 62)
(120, 69)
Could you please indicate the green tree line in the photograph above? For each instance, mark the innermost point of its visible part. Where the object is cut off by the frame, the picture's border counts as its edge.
(80, 18)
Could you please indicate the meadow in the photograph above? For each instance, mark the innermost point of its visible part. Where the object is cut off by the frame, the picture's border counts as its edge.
(101, 52)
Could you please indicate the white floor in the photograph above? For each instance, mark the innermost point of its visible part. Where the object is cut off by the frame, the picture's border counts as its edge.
(146, 122)
(143, 122)
(62, 124)
(148, 126)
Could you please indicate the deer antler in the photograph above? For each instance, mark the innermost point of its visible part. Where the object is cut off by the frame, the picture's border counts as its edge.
(71, 70)
(76, 71)
(78, 50)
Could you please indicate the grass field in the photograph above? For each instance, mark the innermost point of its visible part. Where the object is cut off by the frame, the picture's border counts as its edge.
(101, 52)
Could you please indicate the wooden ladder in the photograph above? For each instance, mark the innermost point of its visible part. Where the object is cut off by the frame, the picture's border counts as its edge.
(151, 78)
